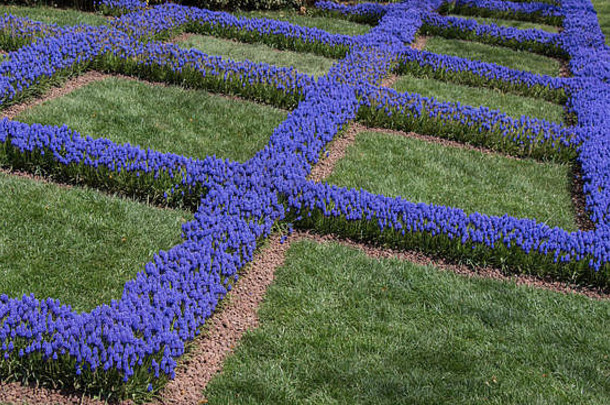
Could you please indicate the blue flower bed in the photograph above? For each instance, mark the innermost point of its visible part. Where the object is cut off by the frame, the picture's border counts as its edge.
(130, 346)
(526, 11)
(368, 13)
(476, 73)
(533, 40)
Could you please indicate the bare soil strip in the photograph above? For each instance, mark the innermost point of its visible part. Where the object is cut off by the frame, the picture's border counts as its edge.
(583, 220)
(420, 42)
(180, 37)
(564, 68)
(226, 326)
(336, 151)
(389, 81)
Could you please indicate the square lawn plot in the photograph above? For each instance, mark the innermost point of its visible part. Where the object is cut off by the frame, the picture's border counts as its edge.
(193, 123)
(338, 326)
(76, 244)
(420, 171)
(306, 63)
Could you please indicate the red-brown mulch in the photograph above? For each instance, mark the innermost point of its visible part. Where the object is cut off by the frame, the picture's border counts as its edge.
(419, 44)
(226, 327)
(583, 220)
(336, 151)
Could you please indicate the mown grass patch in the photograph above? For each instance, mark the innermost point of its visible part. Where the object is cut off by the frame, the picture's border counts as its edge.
(193, 123)
(476, 182)
(303, 62)
(76, 244)
(510, 23)
(329, 24)
(340, 327)
(510, 104)
(51, 15)
(513, 59)
(602, 7)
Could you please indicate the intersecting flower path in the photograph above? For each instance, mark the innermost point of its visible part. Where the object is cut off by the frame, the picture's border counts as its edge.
(138, 338)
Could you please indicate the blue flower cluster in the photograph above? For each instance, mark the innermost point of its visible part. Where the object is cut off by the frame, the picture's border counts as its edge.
(280, 86)
(590, 60)
(483, 74)
(118, 7)
(163, 20)
(528, 11)
(524, 136)
(362, 12)
(140, 336)
(531, 8)
(16, 32)
(532, 40)
(62, 147)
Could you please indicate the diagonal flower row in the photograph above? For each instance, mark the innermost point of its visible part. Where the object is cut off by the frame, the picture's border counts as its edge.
(138, 338)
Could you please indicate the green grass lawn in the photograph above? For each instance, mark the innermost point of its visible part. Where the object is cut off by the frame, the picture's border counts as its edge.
(194, 123)
(510, 104)
(52, 15)
(487, 183)
(602, 7)
(338, 327)
(513, 59)
(330, 24)
(76, 244)
(510, 23)
(303, 62)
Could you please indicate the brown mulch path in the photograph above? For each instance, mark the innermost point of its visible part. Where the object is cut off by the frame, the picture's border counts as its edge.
(180, 37)
(419, 44)
(336, 151)
(389, 81)
(15, 393)
(226, 327)
(583, 220)
(564, 69)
